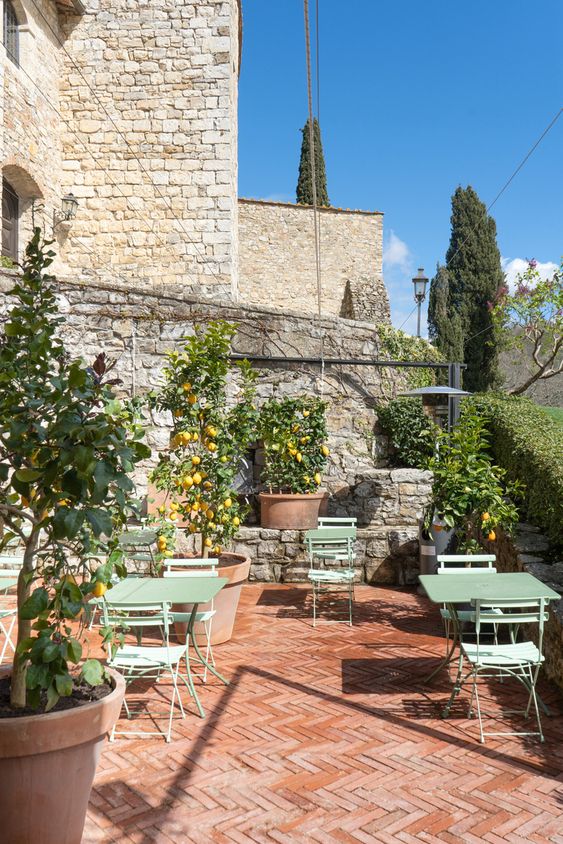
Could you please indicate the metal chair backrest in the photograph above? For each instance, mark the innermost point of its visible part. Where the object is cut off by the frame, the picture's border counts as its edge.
(325, 544)
(514, 613)
(466, 564)
(335, 522)
(127, 617)
(191, 567)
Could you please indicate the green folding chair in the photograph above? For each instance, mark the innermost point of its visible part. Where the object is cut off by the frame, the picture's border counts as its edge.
(521, 661)
(463, 564)
(10, 567)
(337, 522)
(138, 547)
(327, 546)
(148, 661)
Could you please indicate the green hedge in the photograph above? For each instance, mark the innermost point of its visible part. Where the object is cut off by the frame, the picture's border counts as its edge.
(529, 445)
(410, 431)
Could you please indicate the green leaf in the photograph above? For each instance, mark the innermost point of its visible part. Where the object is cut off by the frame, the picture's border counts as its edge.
(74, 650)
(51, 651)
(73, 520)
(27, 475)
(37, 603)
(93, 672)
(52, 697)
(63, 682)
(100, 521)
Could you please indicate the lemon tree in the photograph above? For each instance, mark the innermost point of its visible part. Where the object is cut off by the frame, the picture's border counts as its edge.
(208, 439)
(294, 434)
(67, 447)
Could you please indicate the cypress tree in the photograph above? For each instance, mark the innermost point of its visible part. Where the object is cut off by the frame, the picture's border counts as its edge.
(474, 274)
(444, 326)
(305, 181)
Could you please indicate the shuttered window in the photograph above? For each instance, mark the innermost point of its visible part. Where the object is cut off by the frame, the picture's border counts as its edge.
(10, 213)
(11, 33)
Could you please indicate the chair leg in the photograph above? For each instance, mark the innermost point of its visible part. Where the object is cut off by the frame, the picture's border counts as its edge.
(456, 687)
(533, 678)
(314, 604)
(351, 600)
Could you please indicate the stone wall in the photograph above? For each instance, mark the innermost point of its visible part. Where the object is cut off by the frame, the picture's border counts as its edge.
(30, 153)
(152, 152)
(277, 259)
(530, 551)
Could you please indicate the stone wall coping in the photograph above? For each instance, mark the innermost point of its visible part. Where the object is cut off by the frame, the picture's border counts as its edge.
(302, 207)
(157, 298)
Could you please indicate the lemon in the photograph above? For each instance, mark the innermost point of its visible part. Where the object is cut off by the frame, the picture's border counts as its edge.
(162, 543)
(211, 525)
(491, 536)
(225, 518)
(305, 413)
(187, 387)
(325, 450)
(209, 513)
(187, 481)
(236, 521)
(228, 502)
(211, 431)
(211, 446)
(177, 412)
(224, 458)
(217, 549)
(195, 436)
(299, 457)
(196, 460)
(162, 509)
(99, 589)
(485, 517)
(192, 528)
(207, 542)
(174, 506)
(317, 478)
(208, 485)
(192, 398)
(169, 554)
(195, 506)
(173, 516)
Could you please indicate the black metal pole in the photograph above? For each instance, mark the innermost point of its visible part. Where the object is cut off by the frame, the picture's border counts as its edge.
(454, 380)
(344, 361)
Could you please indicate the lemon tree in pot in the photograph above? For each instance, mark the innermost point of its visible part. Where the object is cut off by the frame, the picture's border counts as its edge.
(294, 434)
(66, 448)
(194, 479)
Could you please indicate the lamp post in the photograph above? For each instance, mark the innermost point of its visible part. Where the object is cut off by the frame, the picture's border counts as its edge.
(420, 281)
(69, 206)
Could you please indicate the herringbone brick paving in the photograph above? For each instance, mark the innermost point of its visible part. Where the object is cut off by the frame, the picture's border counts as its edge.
(328, 735)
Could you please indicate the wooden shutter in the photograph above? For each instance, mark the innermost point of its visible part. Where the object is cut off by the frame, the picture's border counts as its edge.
(9, 221)
(11, 33)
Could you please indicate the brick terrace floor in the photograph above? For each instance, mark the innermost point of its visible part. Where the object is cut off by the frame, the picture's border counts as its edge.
(328, 735)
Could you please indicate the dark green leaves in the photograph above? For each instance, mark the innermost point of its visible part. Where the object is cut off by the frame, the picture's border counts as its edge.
(36, 604)
(93, 672)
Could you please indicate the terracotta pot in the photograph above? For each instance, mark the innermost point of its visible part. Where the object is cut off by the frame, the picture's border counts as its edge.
(291, 510)
(236, 568)
(47, 766)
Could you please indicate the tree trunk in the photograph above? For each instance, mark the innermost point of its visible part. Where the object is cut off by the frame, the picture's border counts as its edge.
(18, 694)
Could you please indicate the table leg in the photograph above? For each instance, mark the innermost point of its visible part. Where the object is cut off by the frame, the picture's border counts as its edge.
(201, 657)
(456, 638)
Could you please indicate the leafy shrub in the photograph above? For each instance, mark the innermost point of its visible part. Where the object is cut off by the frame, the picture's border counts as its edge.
(529, 445)
(394, 344)
(411, 433)
(295, 451)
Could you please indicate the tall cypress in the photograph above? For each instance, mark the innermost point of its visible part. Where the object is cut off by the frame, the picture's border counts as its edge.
(474, 274)
(444, 326)
(305, 180)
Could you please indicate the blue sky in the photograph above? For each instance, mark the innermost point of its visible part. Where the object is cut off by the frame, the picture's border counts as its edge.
(416, 98)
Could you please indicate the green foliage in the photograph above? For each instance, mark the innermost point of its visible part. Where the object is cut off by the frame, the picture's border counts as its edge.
(411, 433)
(295, 452)
(67, 446)
(208, 438)
(469, 492)
(444, 325)
(305, 179)
(394, 344)
(531, 318)
(555, 413)
(529, 445)
(460, 318)
(7, 263)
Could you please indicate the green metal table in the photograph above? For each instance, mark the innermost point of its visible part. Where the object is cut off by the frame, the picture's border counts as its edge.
(7, 583)
(177, 590)
(452, 589)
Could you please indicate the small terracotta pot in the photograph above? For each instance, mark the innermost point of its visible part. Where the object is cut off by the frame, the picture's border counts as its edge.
(236, 568)
(47, 766)
(291, 510)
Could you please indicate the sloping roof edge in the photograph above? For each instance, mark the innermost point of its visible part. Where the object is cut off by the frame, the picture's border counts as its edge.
(323, 208)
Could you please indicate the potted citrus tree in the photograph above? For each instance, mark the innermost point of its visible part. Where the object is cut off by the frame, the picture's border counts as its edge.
(66, 449)
(293, 431)
(194, 478)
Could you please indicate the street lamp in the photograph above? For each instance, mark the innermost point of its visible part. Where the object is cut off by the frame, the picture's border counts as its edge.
(69, 207)
(420, 281)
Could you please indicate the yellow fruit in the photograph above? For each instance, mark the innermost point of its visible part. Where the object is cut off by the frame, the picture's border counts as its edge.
(187, 387)
(211, 431)
(211, 446)
(195, 436)
(162, 509)
(169, 554)
(293, 451)
(99, 589)
(192, 528)
(299, 457)
(236, 521)
(306, 479)
(228, 502)
(211, 525)
(491, 536)
(295, 428)
(305, 413)
(217, 549)
(177, 413)
(209, 513)
(305, 440)
(197, 478)
(162, 543)
(208, 485)
(187, 481)
(196, 460)
(485, 517)
(224, 458)
(225, 518)
(207, 542)
(317, 478)
(173, 516)
(195, 506)
(192, 398)
(325, 450)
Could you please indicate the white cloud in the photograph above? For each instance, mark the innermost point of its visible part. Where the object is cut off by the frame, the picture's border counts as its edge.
(396, 253)
(513, 267)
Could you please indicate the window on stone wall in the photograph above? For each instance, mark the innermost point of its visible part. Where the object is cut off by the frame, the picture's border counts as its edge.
(10, 214)
(11, 32)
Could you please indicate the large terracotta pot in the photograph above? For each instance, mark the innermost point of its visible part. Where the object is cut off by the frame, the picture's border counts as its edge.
(236, 568)
(291, 510)
(47, 766)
